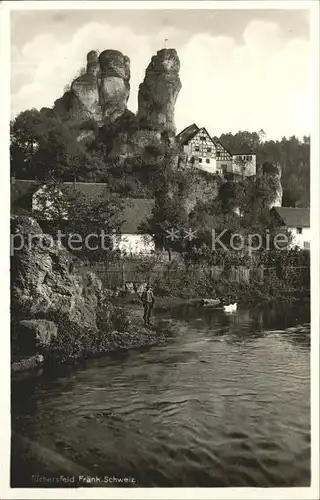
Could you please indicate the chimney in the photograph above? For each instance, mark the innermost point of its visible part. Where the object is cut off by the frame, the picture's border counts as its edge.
(74, 182)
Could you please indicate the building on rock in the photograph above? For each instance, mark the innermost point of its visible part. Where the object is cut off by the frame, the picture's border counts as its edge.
(199, 149)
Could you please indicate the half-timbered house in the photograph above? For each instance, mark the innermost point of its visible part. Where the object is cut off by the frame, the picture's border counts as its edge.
(199, 149)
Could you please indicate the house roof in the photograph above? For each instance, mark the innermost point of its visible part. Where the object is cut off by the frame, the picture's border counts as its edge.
(221, 148)
(243, 149)
(21, 195)
(135, 210)
(293, 217)
(187, 134)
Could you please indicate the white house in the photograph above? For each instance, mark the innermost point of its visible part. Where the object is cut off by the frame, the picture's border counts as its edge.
(199, 149)
(135, 212)
(244, 164)
(297, 220)
(28, 198)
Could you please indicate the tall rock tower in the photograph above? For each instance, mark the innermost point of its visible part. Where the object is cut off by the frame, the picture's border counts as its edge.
(158, 93)
(101, 93)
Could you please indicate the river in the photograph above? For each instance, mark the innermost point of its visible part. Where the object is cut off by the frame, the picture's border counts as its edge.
(225, 403)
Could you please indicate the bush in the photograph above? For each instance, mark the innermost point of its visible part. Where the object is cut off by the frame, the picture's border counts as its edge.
(186, 285)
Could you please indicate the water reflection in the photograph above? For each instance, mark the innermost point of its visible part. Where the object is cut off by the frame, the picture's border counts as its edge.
(247, 324)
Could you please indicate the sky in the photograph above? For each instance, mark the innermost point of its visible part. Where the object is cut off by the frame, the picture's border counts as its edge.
(240, 69)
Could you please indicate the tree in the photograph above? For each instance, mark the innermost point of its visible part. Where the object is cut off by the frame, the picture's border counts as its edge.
(292, 154)
(63, 207)
(41, 143)
(169, 216)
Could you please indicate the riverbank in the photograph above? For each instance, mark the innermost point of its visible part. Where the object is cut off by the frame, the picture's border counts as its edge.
(243, 298)
(71, 345)
(60, 316)
(124, 330)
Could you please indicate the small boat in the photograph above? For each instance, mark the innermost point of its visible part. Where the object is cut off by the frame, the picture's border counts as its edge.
(210, 302)
(230, 307)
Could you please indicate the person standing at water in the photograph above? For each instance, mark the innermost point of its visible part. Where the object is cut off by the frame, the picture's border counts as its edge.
(147, 298)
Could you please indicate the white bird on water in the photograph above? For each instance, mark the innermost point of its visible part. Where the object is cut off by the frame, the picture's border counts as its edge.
(230, 307)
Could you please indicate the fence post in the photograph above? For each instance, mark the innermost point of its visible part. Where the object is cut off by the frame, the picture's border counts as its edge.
(122, 272)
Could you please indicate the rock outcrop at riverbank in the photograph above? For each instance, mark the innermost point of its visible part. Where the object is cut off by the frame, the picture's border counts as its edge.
(58, 313)
(43, 283)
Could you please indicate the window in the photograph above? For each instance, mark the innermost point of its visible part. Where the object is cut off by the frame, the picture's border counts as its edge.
(208, 150)
(218, 154)
(299, 230)
(200, 160)
(197, 148)
(207, 160)
(202, 138)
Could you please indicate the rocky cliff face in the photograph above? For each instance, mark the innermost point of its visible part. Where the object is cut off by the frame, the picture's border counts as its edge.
(101, 93)
(203, 189)
(159, 91)
(114, 86)
(273, 175)
(43, 282)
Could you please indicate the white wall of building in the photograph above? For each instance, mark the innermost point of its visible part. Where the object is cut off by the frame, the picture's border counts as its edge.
(201, 152)
(207, 164)
(224, 166)
(249, 163)
(301, 237)
(135, 244)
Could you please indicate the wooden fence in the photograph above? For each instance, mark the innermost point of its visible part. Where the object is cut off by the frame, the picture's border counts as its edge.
(117, 274)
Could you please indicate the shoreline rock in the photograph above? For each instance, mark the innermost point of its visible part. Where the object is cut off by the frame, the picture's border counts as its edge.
(35, 333)
(44, 284)
(26, 364)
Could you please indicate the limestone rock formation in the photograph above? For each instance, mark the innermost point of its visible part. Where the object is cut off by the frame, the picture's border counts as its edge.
(95, 106)
(43, 282)
(114, 86)
(85, 96)
(159, 91)
(273, 175)
(202, 190)
(101, 93)
(34, 333)
(30, 363)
